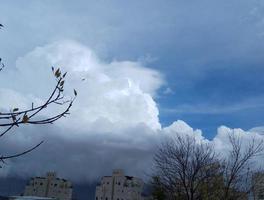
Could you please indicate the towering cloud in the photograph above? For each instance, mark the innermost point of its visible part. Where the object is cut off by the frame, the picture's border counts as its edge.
(114, 122)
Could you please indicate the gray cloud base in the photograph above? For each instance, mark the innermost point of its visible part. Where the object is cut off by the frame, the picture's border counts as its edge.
(113, 124)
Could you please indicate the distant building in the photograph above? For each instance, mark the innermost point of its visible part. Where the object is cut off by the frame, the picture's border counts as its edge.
(119, 187)
(28, 198)
(49, 186)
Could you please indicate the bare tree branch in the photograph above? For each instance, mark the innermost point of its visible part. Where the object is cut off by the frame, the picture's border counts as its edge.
(184, 165)
(191, 170)
(16, 117)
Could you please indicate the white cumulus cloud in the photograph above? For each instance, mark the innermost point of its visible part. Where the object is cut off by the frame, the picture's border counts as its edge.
(114, 121)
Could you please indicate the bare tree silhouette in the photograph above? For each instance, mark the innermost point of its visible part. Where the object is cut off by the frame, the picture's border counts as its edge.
(16, 117)
(191, 170)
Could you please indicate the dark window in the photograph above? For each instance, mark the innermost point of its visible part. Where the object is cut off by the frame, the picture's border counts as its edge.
(96, 198)
(118, 183)
(41, 183)
(106, 198)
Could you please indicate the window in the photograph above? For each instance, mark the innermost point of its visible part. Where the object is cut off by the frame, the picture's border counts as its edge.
(96, 198)
(40, 183)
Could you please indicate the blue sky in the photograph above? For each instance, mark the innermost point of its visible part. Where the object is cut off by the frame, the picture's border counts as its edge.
(210, 52)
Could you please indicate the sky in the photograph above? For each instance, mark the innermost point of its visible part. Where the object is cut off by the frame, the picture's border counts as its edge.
(143, 70)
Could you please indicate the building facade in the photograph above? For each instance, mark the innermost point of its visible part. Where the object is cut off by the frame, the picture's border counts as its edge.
(119, 187)
(49, 186)
(24, 198)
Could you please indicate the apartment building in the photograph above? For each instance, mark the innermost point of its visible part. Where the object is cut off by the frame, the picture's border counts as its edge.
(28, 198)
(119, 187)
(50, 186)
